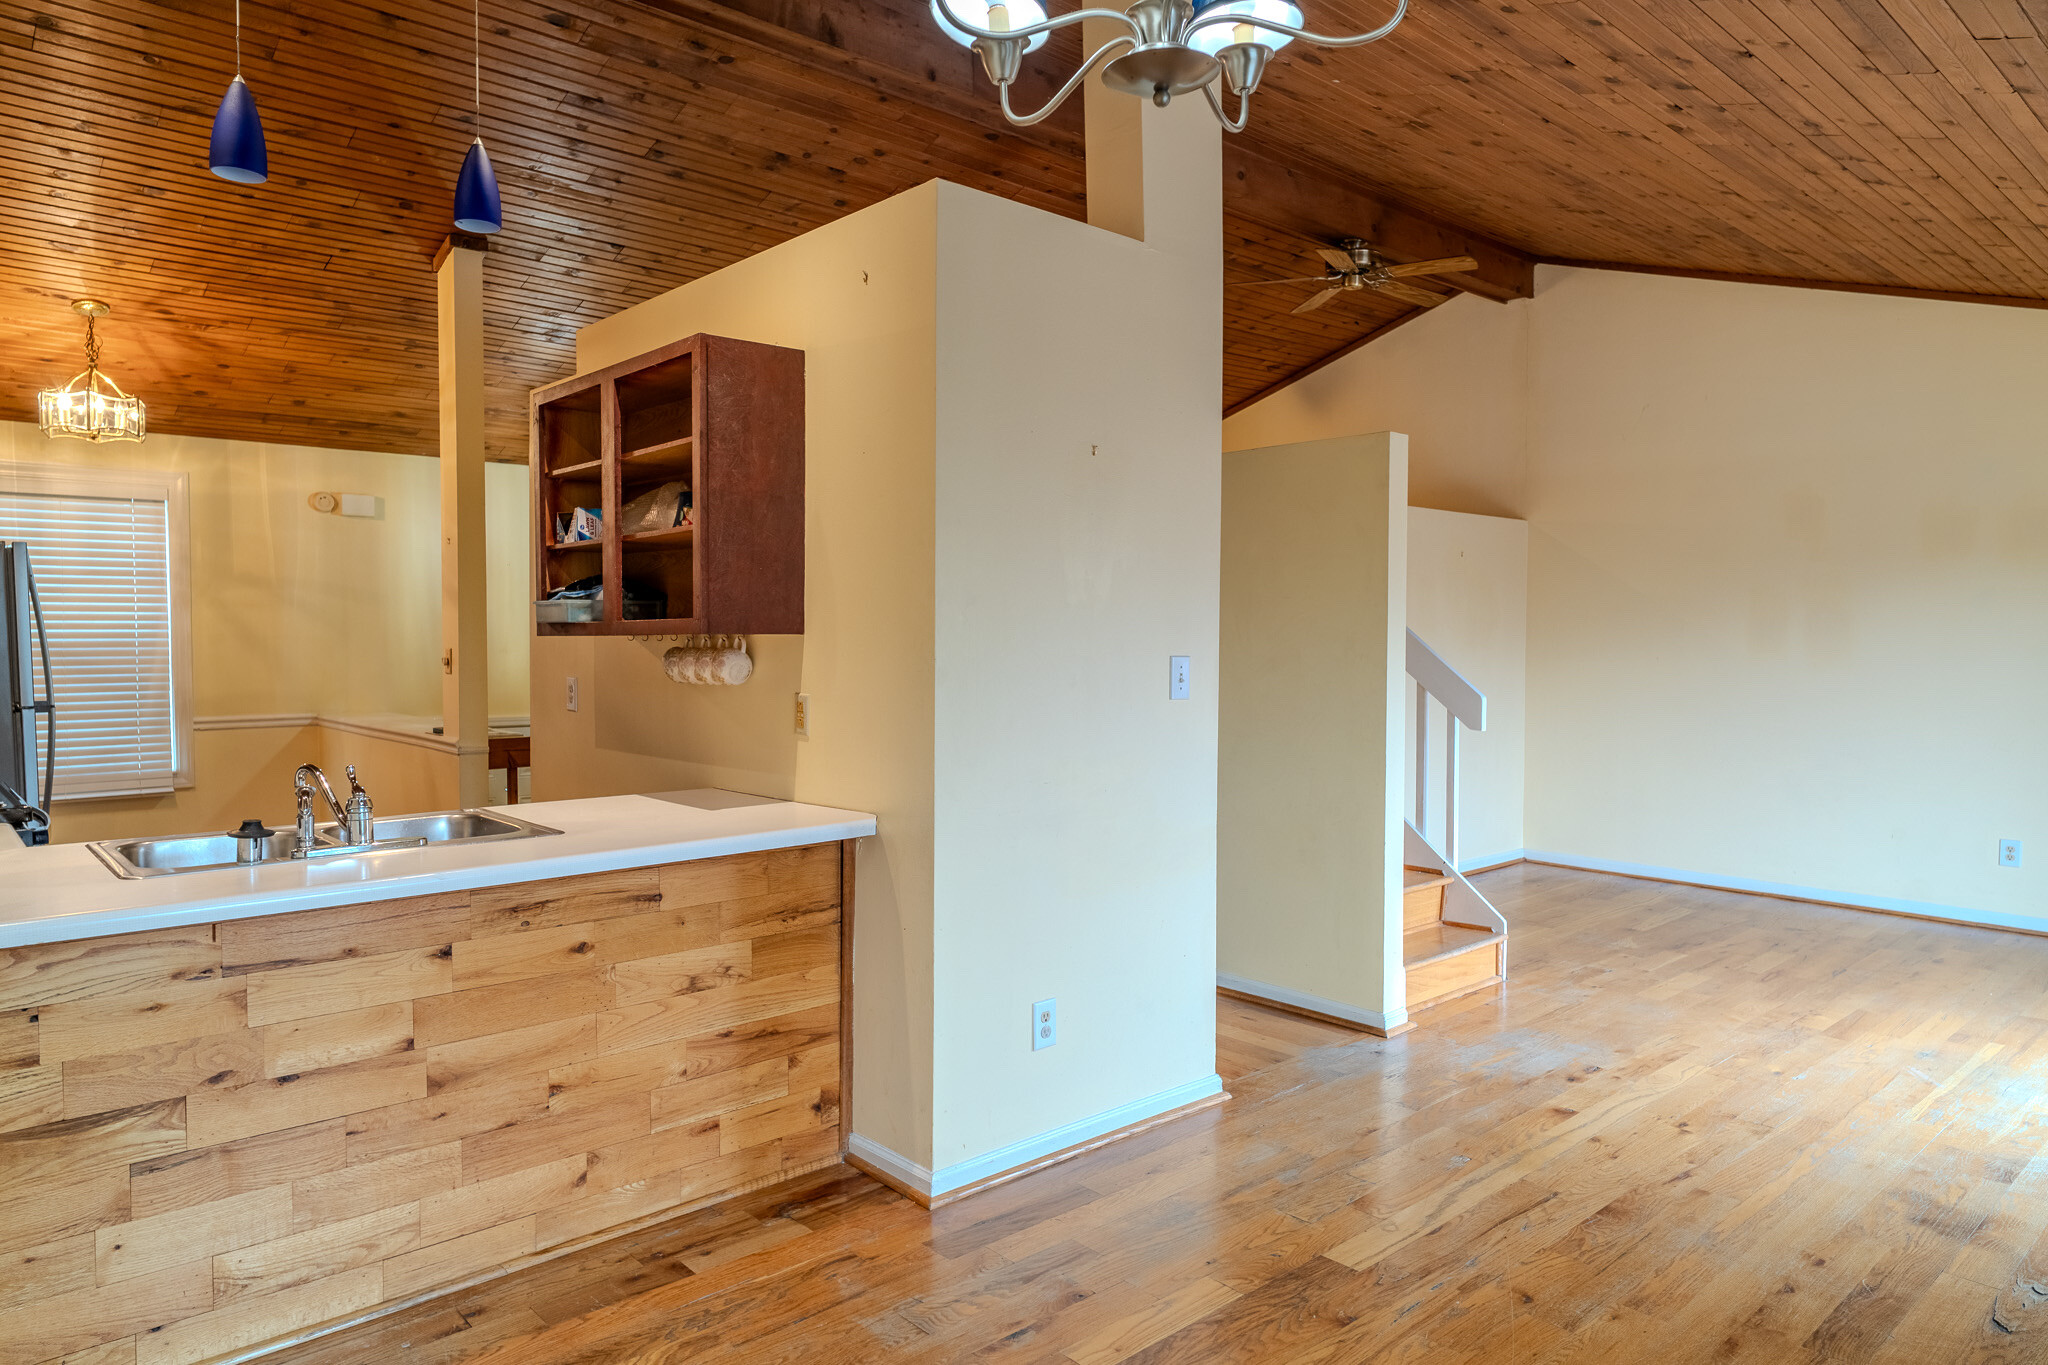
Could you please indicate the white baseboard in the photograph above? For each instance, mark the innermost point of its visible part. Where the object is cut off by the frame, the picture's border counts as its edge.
(1302, 1000)
(1960, 914)
(935, 1184)
(1488, 860)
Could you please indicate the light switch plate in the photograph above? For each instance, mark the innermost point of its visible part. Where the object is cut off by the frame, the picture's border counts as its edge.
(1177, 680)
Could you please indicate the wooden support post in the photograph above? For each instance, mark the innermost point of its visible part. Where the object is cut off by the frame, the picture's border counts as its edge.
(465, 656)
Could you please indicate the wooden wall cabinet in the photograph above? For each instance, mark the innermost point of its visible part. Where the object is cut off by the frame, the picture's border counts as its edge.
(723, 416)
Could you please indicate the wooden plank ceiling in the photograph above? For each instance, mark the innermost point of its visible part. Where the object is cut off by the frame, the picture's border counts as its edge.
(642, 144)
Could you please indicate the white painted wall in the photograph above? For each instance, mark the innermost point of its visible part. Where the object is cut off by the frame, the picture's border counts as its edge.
(1468, 595)
(1786, 562)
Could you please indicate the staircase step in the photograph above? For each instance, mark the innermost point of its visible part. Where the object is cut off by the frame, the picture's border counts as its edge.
(1443, 940)
(1422, 897)
(1415, 878)
(1444, 961)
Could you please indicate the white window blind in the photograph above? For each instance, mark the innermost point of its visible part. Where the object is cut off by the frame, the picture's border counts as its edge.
(101, 545)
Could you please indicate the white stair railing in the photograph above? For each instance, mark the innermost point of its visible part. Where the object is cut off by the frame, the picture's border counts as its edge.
(1463, 705)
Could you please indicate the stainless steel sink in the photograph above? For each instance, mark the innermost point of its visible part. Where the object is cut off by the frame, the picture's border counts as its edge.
(211, 852)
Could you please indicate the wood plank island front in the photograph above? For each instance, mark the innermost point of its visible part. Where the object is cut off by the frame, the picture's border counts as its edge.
(225, 1133)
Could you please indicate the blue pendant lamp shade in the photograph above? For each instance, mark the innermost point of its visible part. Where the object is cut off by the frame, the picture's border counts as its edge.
(237, 151)
(476, 193)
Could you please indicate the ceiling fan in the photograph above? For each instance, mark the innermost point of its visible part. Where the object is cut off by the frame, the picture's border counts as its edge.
(1353, 264)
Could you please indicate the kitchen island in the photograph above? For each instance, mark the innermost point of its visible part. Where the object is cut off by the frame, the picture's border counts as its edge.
(239, 1105)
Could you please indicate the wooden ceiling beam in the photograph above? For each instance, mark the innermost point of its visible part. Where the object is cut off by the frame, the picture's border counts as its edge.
(1324, 209)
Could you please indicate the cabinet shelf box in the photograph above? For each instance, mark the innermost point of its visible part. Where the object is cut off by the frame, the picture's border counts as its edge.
(724, 418)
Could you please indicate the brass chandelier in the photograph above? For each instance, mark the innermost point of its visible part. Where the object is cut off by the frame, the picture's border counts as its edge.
(1171, 48)
(91, 407)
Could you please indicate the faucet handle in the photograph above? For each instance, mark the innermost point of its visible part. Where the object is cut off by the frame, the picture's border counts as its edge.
(355, 788)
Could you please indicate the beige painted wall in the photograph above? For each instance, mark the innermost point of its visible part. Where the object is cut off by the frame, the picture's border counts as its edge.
(860, 298)
(1012, 507)
(1785, 573)
(1078, 513)
(1468, 595)
(1309, 858)
(297, 612)
(1454, 380)
(1787, 563)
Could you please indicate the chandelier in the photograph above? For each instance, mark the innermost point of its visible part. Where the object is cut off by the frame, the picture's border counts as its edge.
(1172, 48)
(91, 407)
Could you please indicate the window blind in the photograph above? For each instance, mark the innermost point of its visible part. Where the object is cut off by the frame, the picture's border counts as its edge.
(102, 567)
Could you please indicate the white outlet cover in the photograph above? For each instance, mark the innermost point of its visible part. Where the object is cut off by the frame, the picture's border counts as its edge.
(2009, 853)
(572, 694)
(1045, 1024)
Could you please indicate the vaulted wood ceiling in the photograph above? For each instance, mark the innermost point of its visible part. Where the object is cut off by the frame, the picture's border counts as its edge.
(642, 143)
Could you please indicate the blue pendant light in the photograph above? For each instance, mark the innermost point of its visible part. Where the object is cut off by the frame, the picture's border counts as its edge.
(476, 193)
(477, 208)
(236, 151)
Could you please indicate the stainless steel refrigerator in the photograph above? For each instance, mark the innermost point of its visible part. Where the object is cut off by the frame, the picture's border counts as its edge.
(27, 749)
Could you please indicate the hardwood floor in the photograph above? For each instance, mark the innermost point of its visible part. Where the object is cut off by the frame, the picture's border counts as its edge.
(1695, 1126)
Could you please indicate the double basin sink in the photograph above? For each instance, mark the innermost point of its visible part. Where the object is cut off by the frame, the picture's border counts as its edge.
(212, 852)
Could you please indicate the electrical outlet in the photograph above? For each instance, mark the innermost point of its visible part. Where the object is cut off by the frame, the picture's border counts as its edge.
(1045, 1024)
(803, 714)
(2008, 853)
(571, 699)
(1177, 678)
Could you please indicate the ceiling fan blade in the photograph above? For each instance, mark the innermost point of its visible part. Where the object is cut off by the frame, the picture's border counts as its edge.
(1339, 260)
(1408, 293)
(1449, 265)
(1299, 279)
(1318, 301)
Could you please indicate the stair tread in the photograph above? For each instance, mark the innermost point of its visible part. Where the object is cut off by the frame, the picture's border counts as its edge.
(1435, 941)
(1416, 878)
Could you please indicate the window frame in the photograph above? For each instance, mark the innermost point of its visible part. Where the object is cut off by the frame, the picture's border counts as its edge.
(173, 489)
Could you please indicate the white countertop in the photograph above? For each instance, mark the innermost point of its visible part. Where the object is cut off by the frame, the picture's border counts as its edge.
(62, 891)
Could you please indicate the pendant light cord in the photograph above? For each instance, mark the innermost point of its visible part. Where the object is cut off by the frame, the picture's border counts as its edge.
(92, 346)
(476, 58)
(238, 39)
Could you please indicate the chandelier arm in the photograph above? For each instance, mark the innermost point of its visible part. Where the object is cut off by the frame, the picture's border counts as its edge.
(946, 16)
(1060, 96)
(1244, 109)
(1319, 39)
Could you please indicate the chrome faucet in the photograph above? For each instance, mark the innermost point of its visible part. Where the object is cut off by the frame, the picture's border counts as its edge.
(357, 824)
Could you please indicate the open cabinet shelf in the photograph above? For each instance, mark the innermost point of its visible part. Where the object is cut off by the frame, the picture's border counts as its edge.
(722, 418)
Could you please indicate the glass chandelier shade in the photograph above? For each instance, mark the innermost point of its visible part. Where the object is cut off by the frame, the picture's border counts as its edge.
(91, 407)
(991, 14)
(1216, 37)
(236, 151)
